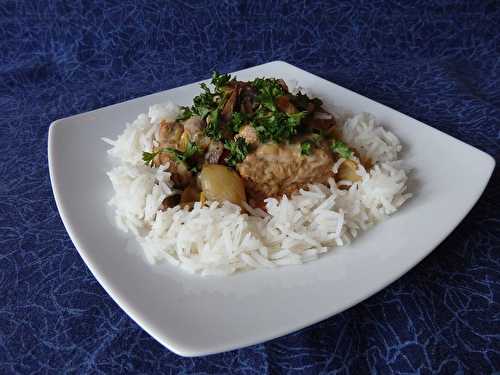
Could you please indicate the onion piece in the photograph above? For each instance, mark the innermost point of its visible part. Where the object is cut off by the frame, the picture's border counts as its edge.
(220, 183)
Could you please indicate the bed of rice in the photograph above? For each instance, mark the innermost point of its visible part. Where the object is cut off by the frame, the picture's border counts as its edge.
(219, 238)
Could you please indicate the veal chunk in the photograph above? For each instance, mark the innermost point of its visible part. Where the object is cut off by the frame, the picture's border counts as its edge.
(170, 137)
(273, 170)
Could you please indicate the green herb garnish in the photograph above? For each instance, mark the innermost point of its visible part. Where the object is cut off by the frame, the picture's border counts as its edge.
(238, 150)
(305, 148)
(185, 114)
(191, 150)
(220, 80)
(208, 105)
(213, 129)
(206, 102)
(270, 123)
(148, 157)
(276, 126)
(237, 121)
(179, 156)
(342, 149)
(268, 90)
(302, 101)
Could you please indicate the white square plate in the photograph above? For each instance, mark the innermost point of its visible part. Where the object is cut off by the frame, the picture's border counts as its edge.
(195, 316)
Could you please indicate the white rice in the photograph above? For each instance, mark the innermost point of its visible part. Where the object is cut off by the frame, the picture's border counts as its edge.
(219, 239)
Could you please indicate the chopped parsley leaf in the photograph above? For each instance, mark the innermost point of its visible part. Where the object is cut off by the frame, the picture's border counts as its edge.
(179, 156)
(148, 157)
(237, 120)
(277, 126)
(220, 80)
(205, 103)
(302, 101)
(185, 114)
(305, 148)
(342, 149)
(238, 150)
(268, 90)
(213, 129)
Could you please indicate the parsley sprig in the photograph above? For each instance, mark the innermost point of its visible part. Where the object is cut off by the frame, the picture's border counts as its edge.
(237, 121)
(238, 150)
(305, 148)
(271, 124)
(208, 105)
(341, 148)
(302, 101)
(213, 128)
(268, 90)
(277, 126)
(185, 157)
(148, 157)
(313, 141)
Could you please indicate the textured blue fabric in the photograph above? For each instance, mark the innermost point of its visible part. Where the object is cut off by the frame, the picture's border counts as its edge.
(437, 61)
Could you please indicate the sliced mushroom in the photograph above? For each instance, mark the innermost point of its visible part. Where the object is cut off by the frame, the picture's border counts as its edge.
(283, 85)
(285, 105)
(247, 97)
(227, 110)
(322, 124)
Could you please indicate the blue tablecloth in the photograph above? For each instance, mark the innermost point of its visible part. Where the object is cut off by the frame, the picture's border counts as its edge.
(437, 61)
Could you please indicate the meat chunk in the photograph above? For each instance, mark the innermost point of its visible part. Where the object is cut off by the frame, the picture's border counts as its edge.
(273, 170)
(181, 175)
(249, 134)
(214, 152)
(170, 133)
(169, 136)
(193, 126)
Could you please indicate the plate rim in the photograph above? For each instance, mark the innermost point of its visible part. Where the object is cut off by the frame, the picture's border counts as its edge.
(135, 315)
